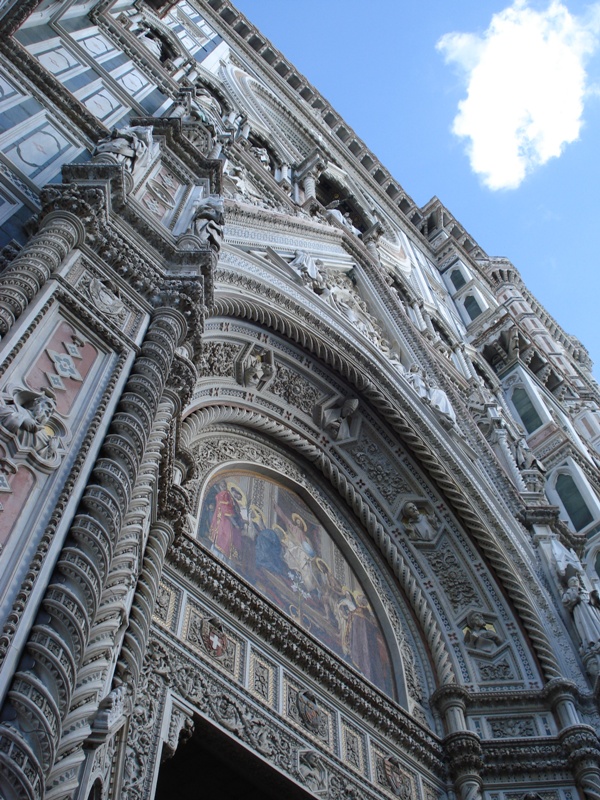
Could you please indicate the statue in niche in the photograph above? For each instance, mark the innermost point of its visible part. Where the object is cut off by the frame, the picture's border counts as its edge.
(524, 455)
(257, 370)
(392, 357)
(440, 403)
(262, 154)
(207, 222)
(417, 524)
(26, 415)
(344, 219)
(308, 270)
(337, 420)
(343, 296)
(130, 146)
(585, 608)
(479, 634)
(207, 102)
(417, 380)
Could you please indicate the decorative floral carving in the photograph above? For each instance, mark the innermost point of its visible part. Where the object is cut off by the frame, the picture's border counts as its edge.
(508, 727)
(217, 359)
(500, 671)
(379, 469)
(296, 390)
(451, 575)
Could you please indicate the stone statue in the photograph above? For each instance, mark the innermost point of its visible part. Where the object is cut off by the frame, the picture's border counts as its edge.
(417, 381)
(392, 356)
(128, 146)
(208, 220)
(27, 419)
(417, 524)
(308, 270)
(207, 100)
(256, 370)
(337, 420)
(262, 154)
(585, 608)
(478, 635)
(438, 400)
(524, 455)
(333, 212)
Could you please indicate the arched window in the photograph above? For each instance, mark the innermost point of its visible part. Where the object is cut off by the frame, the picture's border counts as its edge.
(472, 307)
(526, 410)
(458, 279)
(572, 500)
(268, 535)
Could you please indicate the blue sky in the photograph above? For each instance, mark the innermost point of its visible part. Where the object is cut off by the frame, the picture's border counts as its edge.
(397, 72)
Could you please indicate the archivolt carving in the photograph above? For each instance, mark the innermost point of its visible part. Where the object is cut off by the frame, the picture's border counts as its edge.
(283, 316)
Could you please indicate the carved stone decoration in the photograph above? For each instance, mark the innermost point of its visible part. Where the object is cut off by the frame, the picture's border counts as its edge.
(43, 254)
(27, 428)
(131, 146)
(398, 780)
(339, 421)
(509, 727)
(218, 359)
(496, 671)
(208, 220)
(450, 572)
(419, 521)
(181, 728)
(210, 635)
(105, 298)
(379, 469)
(303, 707)
(255, 367)
(294, 388)
(309, 711)
(479, 634)
(313, 772)
(214, 639)
(73, 596)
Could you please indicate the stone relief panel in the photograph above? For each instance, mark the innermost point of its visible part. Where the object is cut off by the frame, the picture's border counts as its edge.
(294, 389)
(453, 576)
(395, 777)
(308, 711)
(381, 470)
(218, 359)
(168, 605)
(263, 682)
(207, 635)
(38, 407)
(512, 727)
(353, 747)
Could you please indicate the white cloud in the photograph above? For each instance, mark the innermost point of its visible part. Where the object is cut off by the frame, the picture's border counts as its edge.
(526, 86)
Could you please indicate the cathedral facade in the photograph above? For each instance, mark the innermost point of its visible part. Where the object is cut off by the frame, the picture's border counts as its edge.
(299, 487)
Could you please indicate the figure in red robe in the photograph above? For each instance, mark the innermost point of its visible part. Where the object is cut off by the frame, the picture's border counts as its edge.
(227, 524)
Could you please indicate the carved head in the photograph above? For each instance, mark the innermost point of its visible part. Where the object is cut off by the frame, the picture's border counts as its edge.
(411, 511)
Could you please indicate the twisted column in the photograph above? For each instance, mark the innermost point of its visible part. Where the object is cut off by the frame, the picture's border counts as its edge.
(40, 695)
(60, 233)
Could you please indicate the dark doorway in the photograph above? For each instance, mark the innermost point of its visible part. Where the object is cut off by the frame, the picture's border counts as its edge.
(212, 764)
